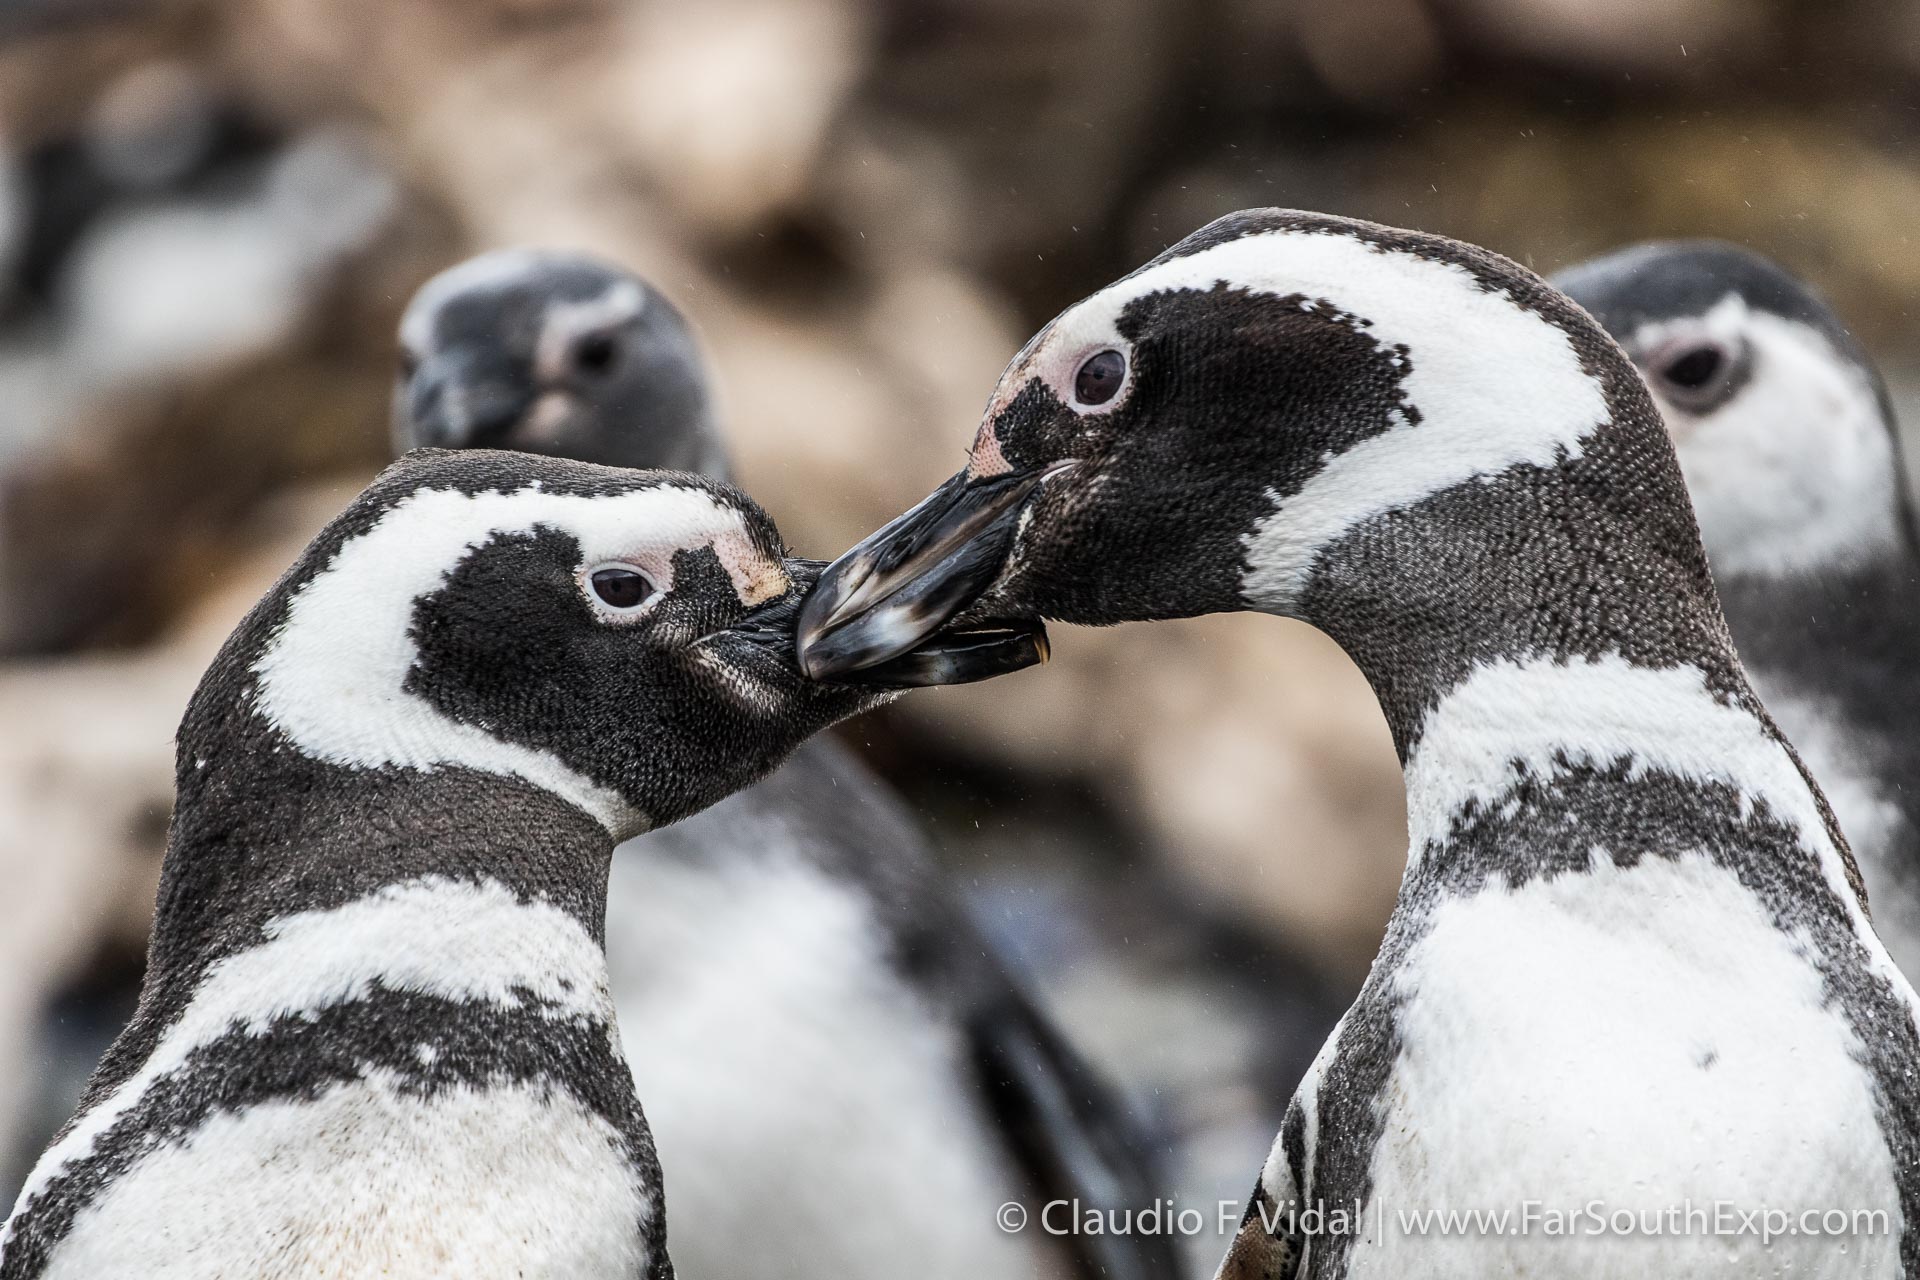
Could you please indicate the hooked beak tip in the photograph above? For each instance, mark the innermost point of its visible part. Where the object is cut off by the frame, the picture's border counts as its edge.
(812, 664)
(835, 598)
(894, 591)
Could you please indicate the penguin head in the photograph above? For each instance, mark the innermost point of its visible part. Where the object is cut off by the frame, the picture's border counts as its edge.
(553, 353)
(1194, 437)
(622, 639)
(1783, 427)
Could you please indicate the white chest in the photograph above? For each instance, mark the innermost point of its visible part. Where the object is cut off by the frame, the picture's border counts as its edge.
(366, 1181)
(812, 1113)
(1875, 827)
(1640, 1038)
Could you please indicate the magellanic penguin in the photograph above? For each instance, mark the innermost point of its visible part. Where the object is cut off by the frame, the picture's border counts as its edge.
(1629, 979)
(375, 1036)
(1789, 446)
(843, 1079)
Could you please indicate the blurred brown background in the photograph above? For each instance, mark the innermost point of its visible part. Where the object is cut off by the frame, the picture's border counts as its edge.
(212, 212)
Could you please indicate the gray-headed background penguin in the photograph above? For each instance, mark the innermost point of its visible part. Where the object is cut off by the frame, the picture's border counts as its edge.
(539, 350)
(843, 1079)
(1630, 964)
(1788, 442)
(375, 1034)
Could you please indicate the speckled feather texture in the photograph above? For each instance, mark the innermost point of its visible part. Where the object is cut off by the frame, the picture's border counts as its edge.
(1792, 457)
(376, 1036)
(1630, 962)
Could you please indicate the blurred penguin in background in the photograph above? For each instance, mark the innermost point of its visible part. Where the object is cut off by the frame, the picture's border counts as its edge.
(1791, 454)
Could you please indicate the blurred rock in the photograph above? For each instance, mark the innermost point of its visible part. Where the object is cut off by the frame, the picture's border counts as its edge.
(730, 101)
(1370, 52)
(1644, 36)
(165, 364)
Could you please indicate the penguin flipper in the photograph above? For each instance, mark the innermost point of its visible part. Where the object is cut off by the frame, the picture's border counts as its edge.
(1072, 1134)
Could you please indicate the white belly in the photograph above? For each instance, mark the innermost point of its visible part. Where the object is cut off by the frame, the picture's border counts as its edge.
(366, 1182)
(808, 1108)
(1641, 1038)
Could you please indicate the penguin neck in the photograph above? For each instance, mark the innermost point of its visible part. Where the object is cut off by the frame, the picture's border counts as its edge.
(284, 834)
(1551, 625)
(317, 925)
(1525, 569)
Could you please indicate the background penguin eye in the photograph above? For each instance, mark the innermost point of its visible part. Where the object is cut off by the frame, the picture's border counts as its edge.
(620, 587)
(1100, 377)
(1695, 370)
(595, 353)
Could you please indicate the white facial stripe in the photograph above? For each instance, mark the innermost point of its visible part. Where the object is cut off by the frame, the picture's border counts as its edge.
(369, 1178)
(1796, 472)
(333, 678)
(489, 270)
(459, 941)
(565, 322)
(1496, 385)
(1724, 322)
(1507, 718)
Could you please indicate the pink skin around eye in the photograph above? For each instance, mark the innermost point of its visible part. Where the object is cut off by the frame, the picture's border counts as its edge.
(756, 578)
(1054, 358)
(986, 460)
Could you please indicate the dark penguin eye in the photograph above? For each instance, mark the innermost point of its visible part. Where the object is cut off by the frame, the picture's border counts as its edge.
(595, 353)
(408, 362)
(1100, 377)
(620, 587)
(1696, 368)
(1696, 376)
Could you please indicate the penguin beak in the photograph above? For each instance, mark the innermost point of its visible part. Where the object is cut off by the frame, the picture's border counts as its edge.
(890, 597)
(958, 655)
(944, 655)
(456, 402)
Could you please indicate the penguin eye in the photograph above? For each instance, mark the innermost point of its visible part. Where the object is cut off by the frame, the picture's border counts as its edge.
(407, 362)
(1694, 375)
(621, 588)
(595, 353)
(1099, 378)
(1695, 369)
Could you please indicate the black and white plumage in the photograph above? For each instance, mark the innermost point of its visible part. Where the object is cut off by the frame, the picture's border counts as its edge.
(843, 1079)
(375, 1034)
(1629, 963)
(1788, 443)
